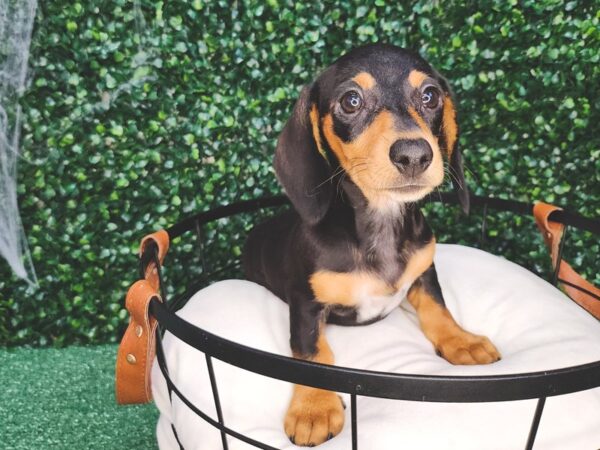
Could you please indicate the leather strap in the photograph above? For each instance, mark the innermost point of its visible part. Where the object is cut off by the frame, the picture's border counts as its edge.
(552, 233)
(137, 349)
(161, 240)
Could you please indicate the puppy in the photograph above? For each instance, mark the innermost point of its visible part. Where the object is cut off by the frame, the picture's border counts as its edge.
(365, 142)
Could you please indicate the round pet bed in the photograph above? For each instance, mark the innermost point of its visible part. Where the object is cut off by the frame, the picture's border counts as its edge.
(222, 373)
(534, 325)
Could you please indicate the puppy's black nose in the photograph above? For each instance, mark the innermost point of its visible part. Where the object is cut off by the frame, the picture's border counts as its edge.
(411, 156)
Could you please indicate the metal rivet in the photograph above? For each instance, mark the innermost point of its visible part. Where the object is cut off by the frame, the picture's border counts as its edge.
(139, 330)
(131, 359)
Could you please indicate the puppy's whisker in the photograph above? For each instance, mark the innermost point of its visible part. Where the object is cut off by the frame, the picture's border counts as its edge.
(466, 168)
(339, 184)
(335, 173)
(454, 176)
(359, 158)
(439, 193)
(359, 165)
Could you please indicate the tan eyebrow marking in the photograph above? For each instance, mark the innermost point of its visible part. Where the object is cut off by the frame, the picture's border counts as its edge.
(365, 80)
(416, 78)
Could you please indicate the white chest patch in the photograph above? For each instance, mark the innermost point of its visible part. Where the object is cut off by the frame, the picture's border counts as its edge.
(370, 306)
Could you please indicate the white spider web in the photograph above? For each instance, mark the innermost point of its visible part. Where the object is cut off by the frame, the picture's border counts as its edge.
(16, 24)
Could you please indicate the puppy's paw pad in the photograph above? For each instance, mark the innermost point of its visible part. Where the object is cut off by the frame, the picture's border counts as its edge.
(314, 416)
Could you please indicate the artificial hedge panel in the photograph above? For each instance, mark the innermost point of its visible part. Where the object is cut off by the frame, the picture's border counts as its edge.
(141, 112)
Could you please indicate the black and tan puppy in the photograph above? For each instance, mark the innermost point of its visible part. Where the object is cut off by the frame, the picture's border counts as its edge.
(365, 141)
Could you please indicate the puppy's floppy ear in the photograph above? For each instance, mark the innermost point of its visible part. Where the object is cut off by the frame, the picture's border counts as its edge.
(449, 141)
(301, 165)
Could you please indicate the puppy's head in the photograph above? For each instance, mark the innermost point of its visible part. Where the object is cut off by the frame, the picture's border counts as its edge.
(386, 118)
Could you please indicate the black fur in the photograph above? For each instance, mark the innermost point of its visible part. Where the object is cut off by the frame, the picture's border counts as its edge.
(300, 167)
(333, 226)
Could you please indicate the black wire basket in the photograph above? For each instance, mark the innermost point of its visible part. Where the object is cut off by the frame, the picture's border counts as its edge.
(461, 389)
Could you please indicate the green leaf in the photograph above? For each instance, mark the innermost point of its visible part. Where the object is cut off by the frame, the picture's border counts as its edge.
(117, 130)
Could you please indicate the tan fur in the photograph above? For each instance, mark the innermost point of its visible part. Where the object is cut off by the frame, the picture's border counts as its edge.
(346, 288)
(456, 345)
(365, 80)
(367, 161)
(418, 263)
(416, 78)
(419, 120)
(449, 126)
(314, 414)
(341, 288)
(314, 121)
(436, 168)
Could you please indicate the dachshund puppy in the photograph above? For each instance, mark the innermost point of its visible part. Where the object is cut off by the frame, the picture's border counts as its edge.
(365, 142)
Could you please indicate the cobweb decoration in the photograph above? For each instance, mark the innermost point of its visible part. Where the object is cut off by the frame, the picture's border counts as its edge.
(16, 24)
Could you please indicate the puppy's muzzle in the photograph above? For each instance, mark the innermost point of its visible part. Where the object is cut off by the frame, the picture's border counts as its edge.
(411, 156)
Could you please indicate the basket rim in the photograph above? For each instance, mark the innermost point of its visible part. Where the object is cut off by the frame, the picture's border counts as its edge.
(563, 216)
(390, 385)
(400, 386)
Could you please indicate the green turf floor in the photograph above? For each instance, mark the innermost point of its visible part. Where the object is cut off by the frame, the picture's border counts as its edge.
(64, 399)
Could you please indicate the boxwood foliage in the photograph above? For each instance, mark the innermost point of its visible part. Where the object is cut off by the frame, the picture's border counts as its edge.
(141, 112)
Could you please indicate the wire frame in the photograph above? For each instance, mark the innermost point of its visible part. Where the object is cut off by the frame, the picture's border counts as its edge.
(456, 389)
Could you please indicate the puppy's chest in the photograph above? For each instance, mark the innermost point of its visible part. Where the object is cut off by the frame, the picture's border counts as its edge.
(365, 293)
(370, 293)
(374, 301)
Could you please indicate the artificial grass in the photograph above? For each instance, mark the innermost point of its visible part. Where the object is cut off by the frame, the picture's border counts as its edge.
(64, 398)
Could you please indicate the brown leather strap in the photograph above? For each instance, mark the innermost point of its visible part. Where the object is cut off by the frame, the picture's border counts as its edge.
(137, 349)
(552, 233)
(161, 239)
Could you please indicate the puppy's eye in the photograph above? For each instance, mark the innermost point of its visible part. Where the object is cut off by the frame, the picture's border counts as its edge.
(351, 102)
(430, 97)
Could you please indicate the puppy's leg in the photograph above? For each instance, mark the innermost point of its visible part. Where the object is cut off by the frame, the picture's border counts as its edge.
(314, 415)
(449, 339)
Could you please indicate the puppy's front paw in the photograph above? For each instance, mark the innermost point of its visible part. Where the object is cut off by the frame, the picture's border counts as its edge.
(314, 416)
(466, 348)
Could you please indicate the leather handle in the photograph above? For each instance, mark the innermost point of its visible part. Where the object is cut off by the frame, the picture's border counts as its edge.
(552, 233)
(137, 349)
(161, 240)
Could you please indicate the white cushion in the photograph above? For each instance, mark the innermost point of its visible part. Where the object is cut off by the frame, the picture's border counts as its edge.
(534, 326)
